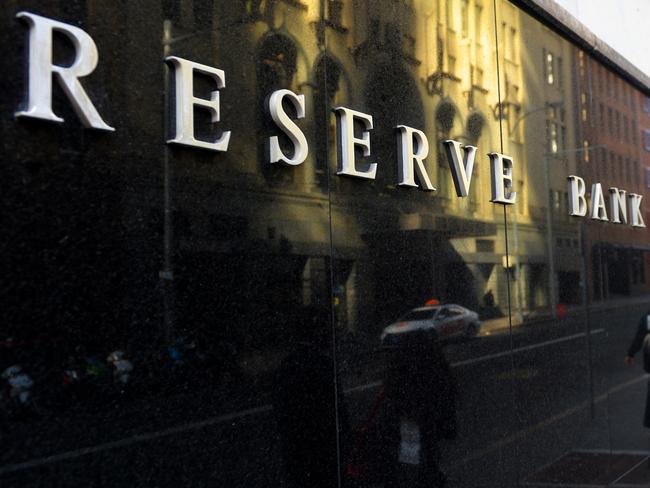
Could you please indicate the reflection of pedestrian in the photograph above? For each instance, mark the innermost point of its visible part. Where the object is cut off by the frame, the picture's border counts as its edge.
(420, 411)
(488, 299)
(642, 330)
(305, 405)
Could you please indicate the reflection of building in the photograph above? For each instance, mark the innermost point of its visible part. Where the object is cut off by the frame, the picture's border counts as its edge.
(609, 123)
(537, 92)
(401, 62)
(643, 110)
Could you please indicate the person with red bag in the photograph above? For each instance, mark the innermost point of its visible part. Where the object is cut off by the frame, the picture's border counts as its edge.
(415, 409)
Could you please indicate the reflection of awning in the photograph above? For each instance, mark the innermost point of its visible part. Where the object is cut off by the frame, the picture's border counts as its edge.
(449, 226)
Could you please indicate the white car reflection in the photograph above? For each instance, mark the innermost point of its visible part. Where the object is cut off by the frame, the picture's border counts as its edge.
(443, 321)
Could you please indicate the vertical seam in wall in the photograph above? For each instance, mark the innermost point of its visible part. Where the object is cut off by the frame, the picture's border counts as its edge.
(331, 290)
(505, 220)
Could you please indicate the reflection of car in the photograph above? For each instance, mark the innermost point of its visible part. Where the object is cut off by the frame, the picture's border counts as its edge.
(443, 321)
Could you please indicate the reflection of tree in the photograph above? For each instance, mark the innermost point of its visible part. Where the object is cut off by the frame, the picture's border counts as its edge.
(253, 8)
(474, 130)
(393, 99)
(475, 124)
(445, 116)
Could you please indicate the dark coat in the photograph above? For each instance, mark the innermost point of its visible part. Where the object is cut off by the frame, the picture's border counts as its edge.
(419, 387)
(643, 329)
(309, 418)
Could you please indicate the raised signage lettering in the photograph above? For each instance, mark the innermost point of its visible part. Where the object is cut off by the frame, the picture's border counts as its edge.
(41, 69)
(288, 126)
(618, 205)
(623, 210)
(501, 168)
(461, 167)
(598, 209)
(412, 144)
(346, 142)
(407, 139)
(636, 217)
(577, 200)
(186, 101)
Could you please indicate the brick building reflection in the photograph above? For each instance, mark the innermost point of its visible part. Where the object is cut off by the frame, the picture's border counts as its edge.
(610, 129)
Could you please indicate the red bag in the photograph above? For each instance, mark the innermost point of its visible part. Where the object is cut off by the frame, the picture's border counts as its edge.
(364, 465)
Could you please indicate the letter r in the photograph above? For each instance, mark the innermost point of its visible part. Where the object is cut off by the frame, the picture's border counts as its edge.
(41, 69)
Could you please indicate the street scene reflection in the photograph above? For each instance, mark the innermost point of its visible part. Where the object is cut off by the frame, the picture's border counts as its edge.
(182, 317)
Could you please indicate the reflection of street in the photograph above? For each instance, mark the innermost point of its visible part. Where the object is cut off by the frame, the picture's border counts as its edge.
(532, 406)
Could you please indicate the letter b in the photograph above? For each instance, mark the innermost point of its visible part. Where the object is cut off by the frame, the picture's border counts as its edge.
(577, 200)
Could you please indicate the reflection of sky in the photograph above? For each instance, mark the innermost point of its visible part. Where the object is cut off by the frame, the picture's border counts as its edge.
(621, 24)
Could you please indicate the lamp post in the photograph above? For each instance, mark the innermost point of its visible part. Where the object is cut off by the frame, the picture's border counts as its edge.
(166, 274)
(515, 125)
(549, 231)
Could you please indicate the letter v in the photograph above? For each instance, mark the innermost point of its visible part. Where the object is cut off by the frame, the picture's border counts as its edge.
(460, 168)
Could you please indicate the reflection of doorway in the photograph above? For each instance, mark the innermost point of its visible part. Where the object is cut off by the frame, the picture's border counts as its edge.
(618, 272)
(408, 269)
(569, 286)
(536, 296)
(460, 286)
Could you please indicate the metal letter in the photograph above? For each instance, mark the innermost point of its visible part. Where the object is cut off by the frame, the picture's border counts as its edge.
(406, 155)
(501, 167)
(41, 69)
(636, 216)
(598, 209)
(288, 126)
(460, 167)
(185, 102)
(346, 141)
(577, 200)
(618, 205)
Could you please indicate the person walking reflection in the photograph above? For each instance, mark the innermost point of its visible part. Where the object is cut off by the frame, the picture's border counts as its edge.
(306, 407)
(421, 398)
(641, 341)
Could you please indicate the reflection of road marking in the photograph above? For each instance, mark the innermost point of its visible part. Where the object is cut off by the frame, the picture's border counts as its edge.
(256, 411)
(523, 349)
(634, 452)
(132, 440)
(644, 460)
(545, 423)
(367, 386)
(481, 359)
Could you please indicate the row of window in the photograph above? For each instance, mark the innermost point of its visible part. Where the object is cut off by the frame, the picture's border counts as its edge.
(607, 85)
(616, 124)
(612, 165)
